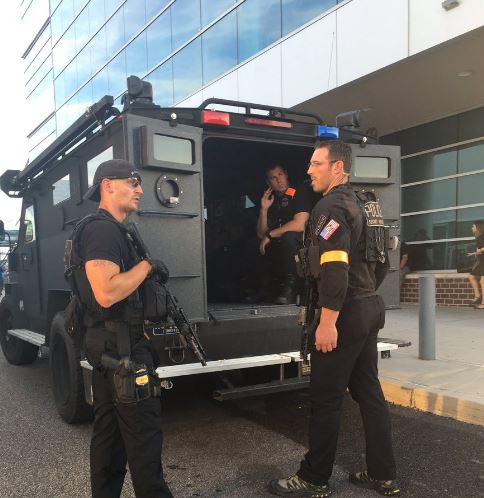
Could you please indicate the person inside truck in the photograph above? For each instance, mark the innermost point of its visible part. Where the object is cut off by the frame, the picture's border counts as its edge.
(284, 212)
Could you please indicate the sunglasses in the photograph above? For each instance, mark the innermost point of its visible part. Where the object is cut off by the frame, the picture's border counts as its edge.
(134, 182)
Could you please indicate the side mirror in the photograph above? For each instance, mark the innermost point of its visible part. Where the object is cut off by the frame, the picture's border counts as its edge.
(2, 231)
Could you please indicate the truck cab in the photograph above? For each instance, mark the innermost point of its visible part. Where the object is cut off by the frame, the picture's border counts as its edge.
(203, 175)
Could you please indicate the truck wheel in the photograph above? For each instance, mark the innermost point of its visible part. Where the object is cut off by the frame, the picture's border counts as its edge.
(67, 379)
(16, 351)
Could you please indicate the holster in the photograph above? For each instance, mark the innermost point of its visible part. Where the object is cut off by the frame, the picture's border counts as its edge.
(136, 385)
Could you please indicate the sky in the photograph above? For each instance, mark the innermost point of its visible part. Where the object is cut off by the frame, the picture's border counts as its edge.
(13, 142)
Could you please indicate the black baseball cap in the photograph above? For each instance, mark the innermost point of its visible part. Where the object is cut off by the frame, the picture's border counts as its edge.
(114, 169)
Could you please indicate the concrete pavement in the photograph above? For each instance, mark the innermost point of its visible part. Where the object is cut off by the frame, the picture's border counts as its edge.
(452, 385)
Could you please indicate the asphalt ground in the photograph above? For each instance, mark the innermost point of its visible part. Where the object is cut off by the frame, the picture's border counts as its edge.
(224, 450)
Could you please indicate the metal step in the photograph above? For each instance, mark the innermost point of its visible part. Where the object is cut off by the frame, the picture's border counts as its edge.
(167, 372)
(28, 336)
(170, 371)
(275, 386)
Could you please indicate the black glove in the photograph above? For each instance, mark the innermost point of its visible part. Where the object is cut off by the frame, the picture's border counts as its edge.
(159, 271)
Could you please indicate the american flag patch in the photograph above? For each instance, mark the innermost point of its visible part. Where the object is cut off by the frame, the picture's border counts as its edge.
(329, 229)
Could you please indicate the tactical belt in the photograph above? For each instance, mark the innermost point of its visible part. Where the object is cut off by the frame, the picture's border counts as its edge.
(332, 256)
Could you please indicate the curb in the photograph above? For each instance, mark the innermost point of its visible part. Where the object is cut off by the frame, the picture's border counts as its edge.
(438, 403)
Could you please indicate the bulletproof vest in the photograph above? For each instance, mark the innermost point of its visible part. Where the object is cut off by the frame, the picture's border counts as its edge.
(128, 310)
(370, 247)
(373, 242)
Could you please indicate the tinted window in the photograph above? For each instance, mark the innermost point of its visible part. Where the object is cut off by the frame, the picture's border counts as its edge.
(213, 8)
(428, 166)
(136, 59)
(371, 167)
(172, 149)
(153, 7)
(98, 49)
(187, 70)
(115, 32)
(259, 25)
(428, 196)
(295, 13)
(471, 158)
(134, 17)
(470, 189)
(159, 39)
(29, 223)
(439, 225)
(62, 190)
(99, 85)
(185, 18)
(117, 74)
(465, 219)
(96, 15)
(219, 46)
(162, 81)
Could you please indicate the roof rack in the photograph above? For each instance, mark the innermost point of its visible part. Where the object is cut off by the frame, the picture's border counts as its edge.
(12, 182)
(274, 112)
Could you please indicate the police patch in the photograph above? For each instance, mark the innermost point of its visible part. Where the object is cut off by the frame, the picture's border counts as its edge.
(329, 229)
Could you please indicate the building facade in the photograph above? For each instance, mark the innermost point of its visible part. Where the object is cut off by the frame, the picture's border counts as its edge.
(413, 65)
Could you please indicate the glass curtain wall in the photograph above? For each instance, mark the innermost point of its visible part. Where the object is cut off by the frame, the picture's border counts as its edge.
(442, 195)
(90, 46)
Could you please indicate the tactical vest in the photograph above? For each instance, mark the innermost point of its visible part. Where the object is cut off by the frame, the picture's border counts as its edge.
(371, 247)
(129, 310)
(374, 239)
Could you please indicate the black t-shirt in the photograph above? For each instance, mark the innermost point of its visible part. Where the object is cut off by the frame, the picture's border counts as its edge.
(286, 206)
(102, 239)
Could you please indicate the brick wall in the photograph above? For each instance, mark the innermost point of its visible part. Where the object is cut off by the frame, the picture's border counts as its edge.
(451, 289)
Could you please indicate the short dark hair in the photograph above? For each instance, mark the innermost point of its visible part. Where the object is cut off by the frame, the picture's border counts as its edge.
(337, 151)
(480, 226)
(270, 167)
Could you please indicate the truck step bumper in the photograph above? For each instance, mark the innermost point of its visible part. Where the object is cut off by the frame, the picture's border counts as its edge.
(28, 336)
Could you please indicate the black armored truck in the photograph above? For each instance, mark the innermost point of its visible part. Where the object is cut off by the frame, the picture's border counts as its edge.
(203, 175)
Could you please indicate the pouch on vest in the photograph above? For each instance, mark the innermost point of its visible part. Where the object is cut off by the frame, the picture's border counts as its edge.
(154, 298)
(74, 321)
(376, 235)
(314, 258)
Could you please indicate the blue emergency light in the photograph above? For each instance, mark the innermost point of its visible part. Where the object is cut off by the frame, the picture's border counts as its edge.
(327, 131)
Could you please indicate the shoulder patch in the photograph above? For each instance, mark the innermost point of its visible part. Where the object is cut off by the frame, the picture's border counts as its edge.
(329, 229)
(320, 224)
(291, 192)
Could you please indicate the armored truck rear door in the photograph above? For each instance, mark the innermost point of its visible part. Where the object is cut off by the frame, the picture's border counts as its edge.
(377, 167)
(170, 217)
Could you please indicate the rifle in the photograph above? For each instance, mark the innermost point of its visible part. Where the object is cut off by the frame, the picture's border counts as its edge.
(188, 334)
(306, 312)
(305, 319)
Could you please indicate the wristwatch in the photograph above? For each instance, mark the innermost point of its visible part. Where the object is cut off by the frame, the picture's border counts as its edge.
(268, 234)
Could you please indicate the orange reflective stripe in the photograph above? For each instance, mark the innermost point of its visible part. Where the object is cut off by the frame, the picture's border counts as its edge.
(331, 256)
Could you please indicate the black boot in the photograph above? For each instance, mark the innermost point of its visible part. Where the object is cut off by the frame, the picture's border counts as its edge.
(288, 292)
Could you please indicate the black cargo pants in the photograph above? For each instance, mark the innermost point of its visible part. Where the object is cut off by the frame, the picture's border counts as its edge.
(352, 365)
(125, 433)
(281, 251)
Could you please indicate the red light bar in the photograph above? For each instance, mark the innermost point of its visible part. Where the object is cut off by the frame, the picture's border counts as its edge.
(268, 122)
(216, 118)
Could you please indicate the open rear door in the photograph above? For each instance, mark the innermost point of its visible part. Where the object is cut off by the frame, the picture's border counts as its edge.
(170, 217)
(377, 167)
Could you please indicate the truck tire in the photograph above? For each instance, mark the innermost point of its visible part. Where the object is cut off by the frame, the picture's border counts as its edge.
(67, 379)
(16, 351)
